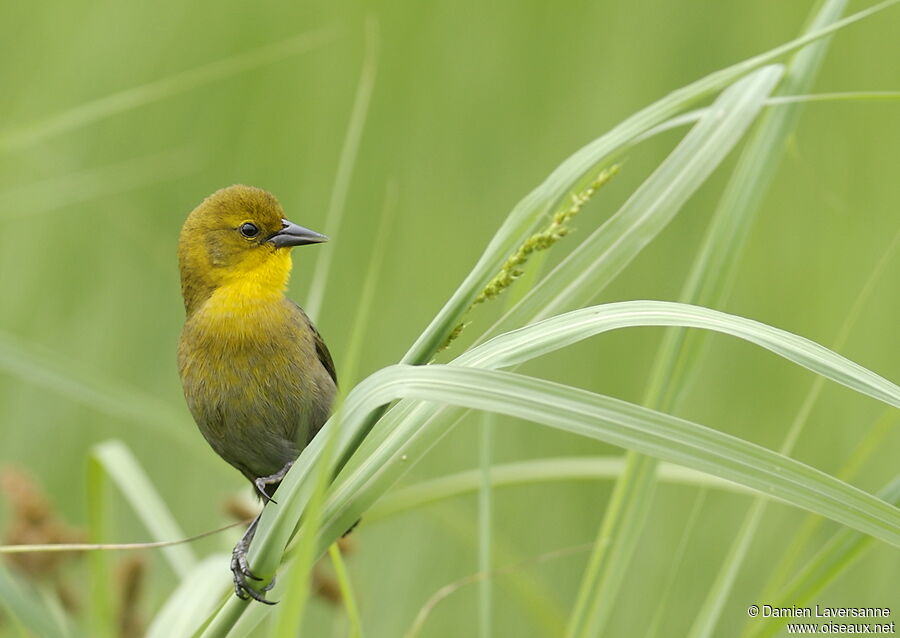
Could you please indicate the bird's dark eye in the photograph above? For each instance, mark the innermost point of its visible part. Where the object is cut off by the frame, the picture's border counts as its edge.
(249, 230)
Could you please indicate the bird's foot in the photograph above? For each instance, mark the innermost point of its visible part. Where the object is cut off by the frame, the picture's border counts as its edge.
(242, 574)
(273, 479)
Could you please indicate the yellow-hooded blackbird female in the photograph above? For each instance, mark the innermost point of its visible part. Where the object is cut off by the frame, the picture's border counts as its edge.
(257, 376)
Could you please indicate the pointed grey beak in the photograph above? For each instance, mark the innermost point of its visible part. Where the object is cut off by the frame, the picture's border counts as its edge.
(293, 235)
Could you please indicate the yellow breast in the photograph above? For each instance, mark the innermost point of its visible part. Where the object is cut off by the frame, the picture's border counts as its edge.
(249, 301)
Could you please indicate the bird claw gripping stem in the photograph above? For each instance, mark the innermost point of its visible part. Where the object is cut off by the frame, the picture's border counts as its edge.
(241, 572)
(240, 568)
(273, 479)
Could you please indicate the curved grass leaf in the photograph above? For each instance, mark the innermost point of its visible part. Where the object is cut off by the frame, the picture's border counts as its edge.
(404, 423)
(401, 429)
(543, 337)
(385, 457)
(532, 341)
(573, 468)
(632, 427)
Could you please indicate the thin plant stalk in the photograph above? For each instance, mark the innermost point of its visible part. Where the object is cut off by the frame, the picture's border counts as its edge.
(346, 588)
(485, 509)
(347, 160)
(544, 470)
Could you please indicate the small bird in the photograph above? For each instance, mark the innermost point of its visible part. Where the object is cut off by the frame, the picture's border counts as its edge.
(257, 376)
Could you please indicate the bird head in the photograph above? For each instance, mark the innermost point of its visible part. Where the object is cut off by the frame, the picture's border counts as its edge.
(238, 237)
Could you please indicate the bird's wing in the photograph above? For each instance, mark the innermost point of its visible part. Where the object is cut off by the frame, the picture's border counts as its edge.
(324, 355)
(321, 349)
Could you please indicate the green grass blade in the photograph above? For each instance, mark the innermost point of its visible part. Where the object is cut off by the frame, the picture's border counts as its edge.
(485, 519)
(289, 619)
(599, 468)
(842, 96)
(587, 612)
(581, 167)
(677, 561)
(839, 553)
(27, 609)
(398, 431)
(99, 109)
(547, 336)
(198, 594)
(100, 601)
(780, 100)
(124, 470)
(809, 528)
(532, 341)
(233, 619)
(708, 615)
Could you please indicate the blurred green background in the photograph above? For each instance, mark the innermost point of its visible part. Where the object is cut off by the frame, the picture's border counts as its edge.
(473, 105)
